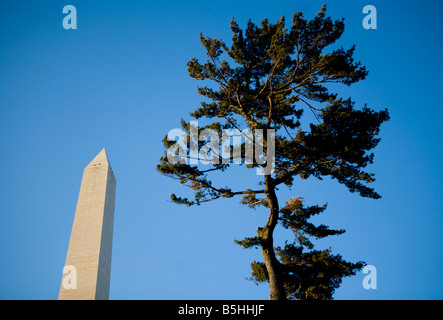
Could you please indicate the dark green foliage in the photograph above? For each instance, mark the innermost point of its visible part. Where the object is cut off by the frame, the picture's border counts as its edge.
(307, 275)
(312, 275)
(278, 78)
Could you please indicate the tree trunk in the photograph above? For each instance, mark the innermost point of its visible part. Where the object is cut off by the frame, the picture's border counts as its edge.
(273, 266)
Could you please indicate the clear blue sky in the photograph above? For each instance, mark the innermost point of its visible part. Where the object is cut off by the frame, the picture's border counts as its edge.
(120, 81)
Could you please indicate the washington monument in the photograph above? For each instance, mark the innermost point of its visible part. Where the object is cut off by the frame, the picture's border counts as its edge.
(87, 271)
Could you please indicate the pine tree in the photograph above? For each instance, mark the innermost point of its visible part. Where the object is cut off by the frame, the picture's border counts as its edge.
(276, 77)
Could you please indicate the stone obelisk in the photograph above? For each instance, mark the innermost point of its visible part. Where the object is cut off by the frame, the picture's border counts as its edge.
(87, 271)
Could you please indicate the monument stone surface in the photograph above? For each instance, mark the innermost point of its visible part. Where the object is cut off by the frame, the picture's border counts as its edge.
(90, 245)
